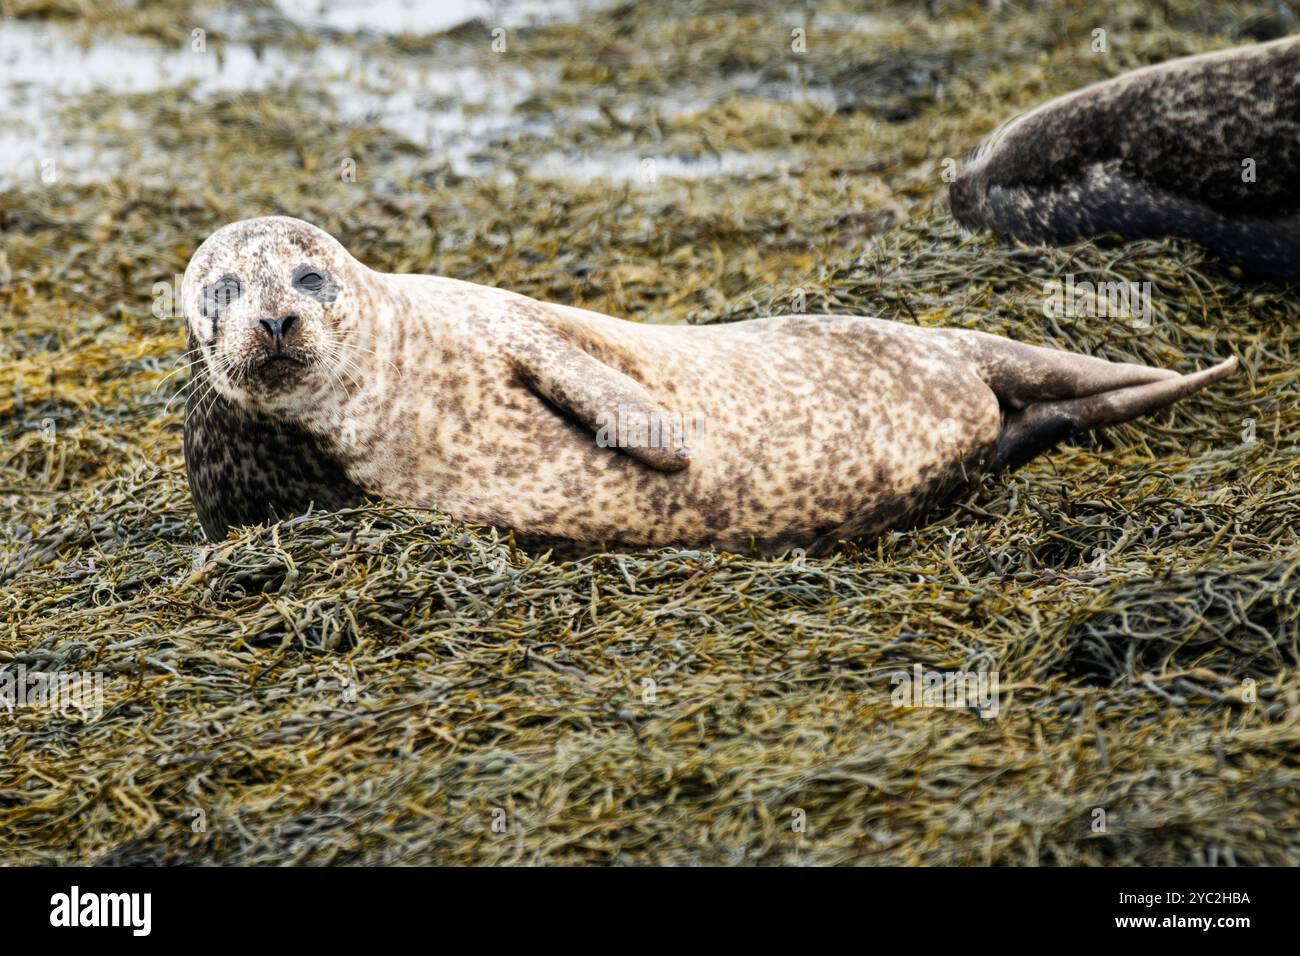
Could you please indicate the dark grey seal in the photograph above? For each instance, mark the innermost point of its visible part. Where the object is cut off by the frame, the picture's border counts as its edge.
(1206, 148)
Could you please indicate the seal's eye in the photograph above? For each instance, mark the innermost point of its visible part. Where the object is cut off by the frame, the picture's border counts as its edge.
(218, 295)
(317, 283)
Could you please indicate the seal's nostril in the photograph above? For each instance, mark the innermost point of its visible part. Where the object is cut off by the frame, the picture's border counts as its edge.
(278, 328)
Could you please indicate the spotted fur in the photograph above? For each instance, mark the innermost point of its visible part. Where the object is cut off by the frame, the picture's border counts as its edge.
(1156, 152)
(434, 392)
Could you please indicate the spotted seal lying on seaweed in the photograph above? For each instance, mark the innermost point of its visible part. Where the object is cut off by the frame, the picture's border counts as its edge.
(320, 382)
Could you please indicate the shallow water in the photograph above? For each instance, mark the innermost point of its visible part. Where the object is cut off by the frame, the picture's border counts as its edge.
(389, 17)
(453, 106)
(45, 71)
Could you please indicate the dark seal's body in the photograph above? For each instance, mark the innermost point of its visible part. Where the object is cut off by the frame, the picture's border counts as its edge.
(502, 410)
(1205, 148)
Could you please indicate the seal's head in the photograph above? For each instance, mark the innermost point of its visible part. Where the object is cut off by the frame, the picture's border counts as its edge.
(268, 304)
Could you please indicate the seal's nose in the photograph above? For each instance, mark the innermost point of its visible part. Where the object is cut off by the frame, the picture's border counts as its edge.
(277, 330)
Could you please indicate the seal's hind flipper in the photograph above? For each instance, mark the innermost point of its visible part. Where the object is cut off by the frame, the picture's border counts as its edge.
(1022, 374)
(619, 411)
(1033, 429)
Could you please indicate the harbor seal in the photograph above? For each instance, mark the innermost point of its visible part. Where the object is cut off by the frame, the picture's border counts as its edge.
(1206, 148)
(318, 381)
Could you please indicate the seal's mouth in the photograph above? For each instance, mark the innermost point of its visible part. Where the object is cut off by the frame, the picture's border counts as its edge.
(279, 360)
(278, 365)
(274, 369)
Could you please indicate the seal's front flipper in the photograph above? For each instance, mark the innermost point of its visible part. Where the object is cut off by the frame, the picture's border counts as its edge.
(1031, 430)
(618, 409)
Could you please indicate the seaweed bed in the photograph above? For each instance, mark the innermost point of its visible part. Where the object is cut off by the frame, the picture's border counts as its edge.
(384, 686)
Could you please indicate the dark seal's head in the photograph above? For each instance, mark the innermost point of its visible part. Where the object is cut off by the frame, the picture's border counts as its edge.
(267, 304)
